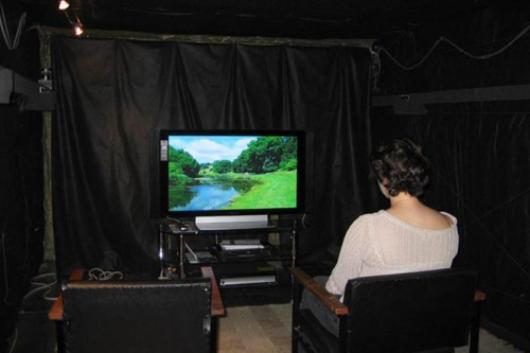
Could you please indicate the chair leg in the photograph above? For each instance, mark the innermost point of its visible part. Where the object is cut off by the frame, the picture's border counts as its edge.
(297, 296)
(59, 327)
(294, 340)
(343, 332)
(475, 329)
(214, 334)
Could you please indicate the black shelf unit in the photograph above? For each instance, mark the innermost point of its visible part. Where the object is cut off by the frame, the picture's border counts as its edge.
(257, 274)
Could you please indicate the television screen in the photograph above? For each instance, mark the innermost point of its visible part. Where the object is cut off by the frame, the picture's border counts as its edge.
(210, 173)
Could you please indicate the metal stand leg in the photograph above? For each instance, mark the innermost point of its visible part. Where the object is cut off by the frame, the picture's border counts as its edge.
(181, 256)
(293, 249)
(162, 274)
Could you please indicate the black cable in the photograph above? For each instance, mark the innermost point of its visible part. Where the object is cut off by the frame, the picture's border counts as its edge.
(4, 256)
(499, 206)
(237, 15)
(506, 294)
(455, 46)
(477, 219)
(4, 262)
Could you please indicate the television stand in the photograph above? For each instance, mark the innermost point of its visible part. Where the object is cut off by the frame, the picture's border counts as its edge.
(251, 262)
(232, 222)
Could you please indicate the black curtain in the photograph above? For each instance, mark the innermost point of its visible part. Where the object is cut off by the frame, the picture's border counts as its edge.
(114, 95)
(21, 212)
(481, 165)
(480, 150)
(21, 188)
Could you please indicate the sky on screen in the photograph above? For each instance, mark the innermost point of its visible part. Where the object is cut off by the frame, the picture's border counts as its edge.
(206, 149)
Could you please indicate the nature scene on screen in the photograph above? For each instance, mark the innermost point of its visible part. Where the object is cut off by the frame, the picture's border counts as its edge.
(232, 172)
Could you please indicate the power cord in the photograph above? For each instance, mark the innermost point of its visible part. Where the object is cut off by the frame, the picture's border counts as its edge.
(11, 43)
(14, 342)
(6, 279)
(41, 286)
(303, 221)
(43, 275)
(98, 274)
(47, 286)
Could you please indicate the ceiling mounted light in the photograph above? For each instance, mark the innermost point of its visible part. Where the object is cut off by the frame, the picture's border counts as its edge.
(63, 5)
(78, 29)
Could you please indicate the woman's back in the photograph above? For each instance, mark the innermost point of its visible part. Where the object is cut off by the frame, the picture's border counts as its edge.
(381, 243)
(400, 246)
(409, 236)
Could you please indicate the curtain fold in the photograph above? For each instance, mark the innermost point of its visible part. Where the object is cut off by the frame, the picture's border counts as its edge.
(479, 150)
(115, 95)
(480, 158)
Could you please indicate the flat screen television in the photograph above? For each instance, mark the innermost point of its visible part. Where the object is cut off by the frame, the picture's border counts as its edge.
(211, 173)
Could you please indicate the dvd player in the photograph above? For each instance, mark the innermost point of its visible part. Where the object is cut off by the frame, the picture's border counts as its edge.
(247, 280)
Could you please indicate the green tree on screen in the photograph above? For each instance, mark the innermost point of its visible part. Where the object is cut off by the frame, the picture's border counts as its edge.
(222, 166)
(267, 154)
(183, 163)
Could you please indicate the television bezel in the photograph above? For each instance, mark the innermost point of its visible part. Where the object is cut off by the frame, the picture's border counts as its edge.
(163, 173)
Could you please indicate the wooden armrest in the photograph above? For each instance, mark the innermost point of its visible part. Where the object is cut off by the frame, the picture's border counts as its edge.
(329, 300)
(218, 308)
(57, 310)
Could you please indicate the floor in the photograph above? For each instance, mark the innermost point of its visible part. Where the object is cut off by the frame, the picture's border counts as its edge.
(256, 329)
(266, 329)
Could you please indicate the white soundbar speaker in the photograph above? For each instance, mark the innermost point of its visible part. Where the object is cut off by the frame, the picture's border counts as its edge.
(232, 222)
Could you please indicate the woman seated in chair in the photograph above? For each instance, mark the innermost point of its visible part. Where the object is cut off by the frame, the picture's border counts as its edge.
(407, 237)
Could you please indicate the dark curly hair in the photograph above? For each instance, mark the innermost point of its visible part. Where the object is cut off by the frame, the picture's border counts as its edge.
(401, 166)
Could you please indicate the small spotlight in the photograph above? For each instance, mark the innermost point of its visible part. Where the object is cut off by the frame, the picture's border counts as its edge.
(63, 5)
(78, 29)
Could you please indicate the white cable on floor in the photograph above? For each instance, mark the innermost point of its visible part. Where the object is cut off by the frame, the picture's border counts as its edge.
(99, 274)
(11, 44)
(14, 341)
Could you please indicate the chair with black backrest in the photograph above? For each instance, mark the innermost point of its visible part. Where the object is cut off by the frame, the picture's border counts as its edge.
(137, 317)
(404, 313)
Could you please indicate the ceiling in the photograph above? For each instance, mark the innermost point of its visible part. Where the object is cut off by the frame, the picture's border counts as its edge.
(270, 18)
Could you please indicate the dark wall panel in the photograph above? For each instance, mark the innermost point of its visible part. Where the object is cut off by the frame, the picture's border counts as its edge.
(480, 150)
(21, 213)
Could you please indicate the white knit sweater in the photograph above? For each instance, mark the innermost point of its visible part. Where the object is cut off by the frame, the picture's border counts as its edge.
(379, 243)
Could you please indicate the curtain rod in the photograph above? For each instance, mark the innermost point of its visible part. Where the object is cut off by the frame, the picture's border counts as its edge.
(414, 103)
(210, 39)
